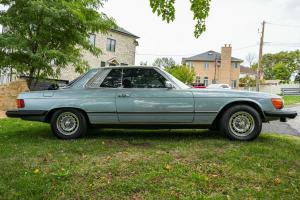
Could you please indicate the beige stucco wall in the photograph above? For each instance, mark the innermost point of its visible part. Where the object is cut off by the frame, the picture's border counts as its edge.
(9, 93)
(124, 53)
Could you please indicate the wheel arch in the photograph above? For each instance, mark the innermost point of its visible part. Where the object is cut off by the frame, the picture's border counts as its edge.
(252, 104)
(52, 111)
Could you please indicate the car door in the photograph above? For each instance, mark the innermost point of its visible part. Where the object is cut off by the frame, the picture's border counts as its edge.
(144, 98)
(102, 92)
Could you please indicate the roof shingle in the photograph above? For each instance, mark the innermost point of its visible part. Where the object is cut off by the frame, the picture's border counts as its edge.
(209, 56)
(122, 30)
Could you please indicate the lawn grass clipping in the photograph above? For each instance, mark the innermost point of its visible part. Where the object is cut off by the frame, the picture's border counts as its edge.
(289, 100)
(145, 164)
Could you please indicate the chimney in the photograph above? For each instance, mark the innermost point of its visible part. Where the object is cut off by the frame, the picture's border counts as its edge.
(225, 69)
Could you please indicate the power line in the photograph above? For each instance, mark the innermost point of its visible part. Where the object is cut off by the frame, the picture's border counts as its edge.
(284, 25)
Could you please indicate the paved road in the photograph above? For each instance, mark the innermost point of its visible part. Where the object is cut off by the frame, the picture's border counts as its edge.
(291, 127)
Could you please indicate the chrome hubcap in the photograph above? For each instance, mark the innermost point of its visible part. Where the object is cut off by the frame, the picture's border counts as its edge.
(241, 123)
(67, 123)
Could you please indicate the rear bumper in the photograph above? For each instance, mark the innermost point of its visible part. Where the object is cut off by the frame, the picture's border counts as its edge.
(31, 115)
(282, 114)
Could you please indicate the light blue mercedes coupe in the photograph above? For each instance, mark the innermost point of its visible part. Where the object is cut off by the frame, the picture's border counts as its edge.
(147, 97)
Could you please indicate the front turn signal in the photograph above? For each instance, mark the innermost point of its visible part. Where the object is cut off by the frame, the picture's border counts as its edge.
(277, 103)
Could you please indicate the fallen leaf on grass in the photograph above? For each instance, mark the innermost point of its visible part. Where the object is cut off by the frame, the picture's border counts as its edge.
(277, 181)
(168, 167)
(36, 171)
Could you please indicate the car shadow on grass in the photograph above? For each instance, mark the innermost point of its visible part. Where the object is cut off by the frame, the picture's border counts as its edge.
(160, 134)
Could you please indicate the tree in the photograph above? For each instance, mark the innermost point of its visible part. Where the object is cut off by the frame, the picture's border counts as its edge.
(250, 58)
(282, 62)
(183, 73)
(44, 36)
(247, 82)
(164, 62)
(281, 72)
(166, 9)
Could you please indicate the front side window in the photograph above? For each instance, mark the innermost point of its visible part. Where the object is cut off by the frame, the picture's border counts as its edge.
(111, 45)
(113, 79)
(142, 78)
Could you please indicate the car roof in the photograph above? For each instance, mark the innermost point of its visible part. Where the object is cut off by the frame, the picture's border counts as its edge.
(127, 66)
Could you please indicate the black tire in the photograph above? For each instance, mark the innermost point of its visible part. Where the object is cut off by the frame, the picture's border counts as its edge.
(236, 119)
(74, 116)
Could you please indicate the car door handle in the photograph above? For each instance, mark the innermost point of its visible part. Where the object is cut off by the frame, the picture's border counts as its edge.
(123, 95)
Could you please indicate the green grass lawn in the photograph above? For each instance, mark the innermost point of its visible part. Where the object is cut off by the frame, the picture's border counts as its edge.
(140, 164)
(288, 100)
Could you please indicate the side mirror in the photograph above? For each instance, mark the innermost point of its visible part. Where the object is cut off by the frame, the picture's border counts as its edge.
(169, 85)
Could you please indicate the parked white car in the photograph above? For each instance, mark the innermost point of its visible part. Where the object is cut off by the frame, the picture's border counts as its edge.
(219, 86)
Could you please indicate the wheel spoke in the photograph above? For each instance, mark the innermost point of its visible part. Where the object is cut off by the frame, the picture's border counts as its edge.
(241, 123)
(67, 123)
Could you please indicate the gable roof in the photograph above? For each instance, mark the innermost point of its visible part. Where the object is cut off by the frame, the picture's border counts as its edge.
(246, 70)
(125, 32)
(209, 56)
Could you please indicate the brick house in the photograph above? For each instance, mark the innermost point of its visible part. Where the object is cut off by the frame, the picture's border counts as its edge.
(213, 67)
(118, 48)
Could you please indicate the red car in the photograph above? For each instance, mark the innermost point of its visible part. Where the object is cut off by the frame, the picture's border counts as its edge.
(199, 86)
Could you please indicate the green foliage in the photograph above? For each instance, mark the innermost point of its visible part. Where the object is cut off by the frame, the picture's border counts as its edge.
(164, 62)
(281, 72)
(281, 65)
(44, 36)
(183, 73)
(247, 82)
(166, 9)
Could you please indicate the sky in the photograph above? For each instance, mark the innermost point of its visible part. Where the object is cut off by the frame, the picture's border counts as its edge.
(234, 22)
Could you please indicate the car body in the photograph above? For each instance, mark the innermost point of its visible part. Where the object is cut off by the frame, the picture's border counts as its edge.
(219, 86)
(137, 97)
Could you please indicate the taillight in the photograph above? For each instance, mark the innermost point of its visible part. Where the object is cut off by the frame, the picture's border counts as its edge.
(20, 103)
(277, 103)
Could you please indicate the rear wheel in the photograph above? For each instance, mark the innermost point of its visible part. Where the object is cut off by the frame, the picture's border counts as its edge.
(241, 122)
(68, 124)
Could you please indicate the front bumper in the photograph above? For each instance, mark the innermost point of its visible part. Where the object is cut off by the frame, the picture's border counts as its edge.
(31, 115)
(282, 114)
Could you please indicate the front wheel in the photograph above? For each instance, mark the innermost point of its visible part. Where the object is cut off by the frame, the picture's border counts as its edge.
(241, 122)
(68, 124)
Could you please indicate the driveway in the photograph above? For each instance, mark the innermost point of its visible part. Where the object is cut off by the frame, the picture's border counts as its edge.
(291, 127)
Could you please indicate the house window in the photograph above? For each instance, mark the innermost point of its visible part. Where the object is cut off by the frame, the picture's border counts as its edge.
(103, 64)
(190, 64)
(205, 81)
(206, 65)
(111, 45)
(233, 84)
(124, 64)
(234, 65)
(92, 39)
(197, 82)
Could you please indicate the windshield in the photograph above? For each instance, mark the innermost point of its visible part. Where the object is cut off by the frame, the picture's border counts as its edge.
(176, 81)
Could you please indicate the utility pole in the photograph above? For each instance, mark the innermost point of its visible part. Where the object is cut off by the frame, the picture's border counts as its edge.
(259, 66)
